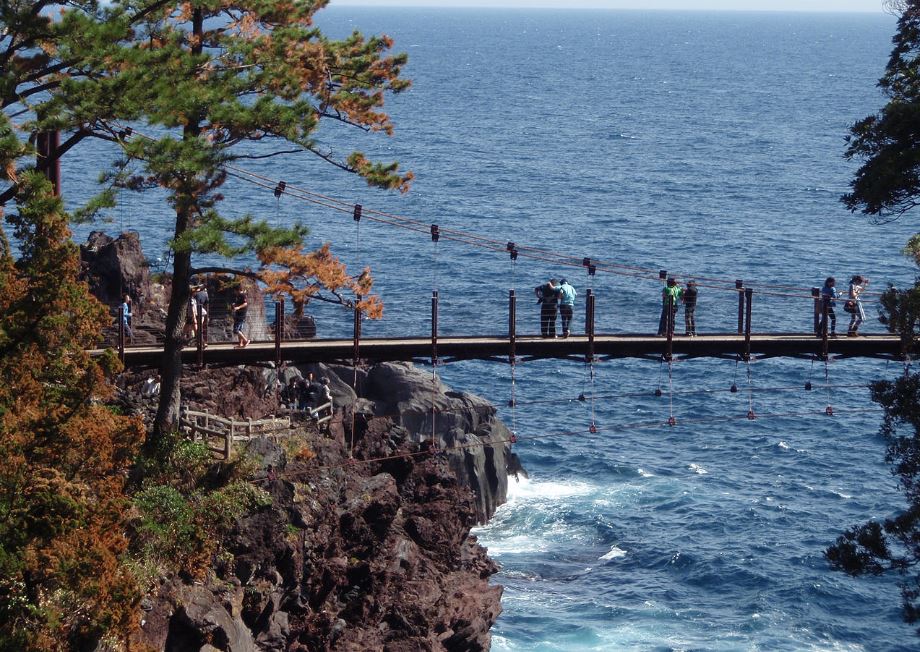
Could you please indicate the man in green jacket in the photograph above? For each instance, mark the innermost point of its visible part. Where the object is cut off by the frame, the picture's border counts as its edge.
(670, 295)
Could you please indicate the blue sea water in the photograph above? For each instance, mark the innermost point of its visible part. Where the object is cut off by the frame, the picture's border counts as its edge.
(707, 144)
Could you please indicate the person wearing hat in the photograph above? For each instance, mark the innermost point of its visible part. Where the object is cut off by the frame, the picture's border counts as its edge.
(567, 296)
(670, 294)
(689, 298)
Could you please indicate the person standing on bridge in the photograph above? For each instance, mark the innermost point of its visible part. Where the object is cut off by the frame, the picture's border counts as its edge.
(828, 294)
(126, 317)
(240, 304)
(201, 297)
(689, 299)
(548, 298)
(670, 295)
(567, 296)
(854, 304)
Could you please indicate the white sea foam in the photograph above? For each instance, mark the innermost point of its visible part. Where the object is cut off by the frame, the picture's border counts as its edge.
(699, 470)
(615, 553)
(646, 474)
(529, 490)
(783, 445)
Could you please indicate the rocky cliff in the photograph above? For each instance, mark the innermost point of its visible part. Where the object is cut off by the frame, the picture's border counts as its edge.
(351, 555)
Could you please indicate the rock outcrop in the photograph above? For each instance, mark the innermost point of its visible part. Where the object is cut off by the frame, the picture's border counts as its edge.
(477, 443)
(349, 556)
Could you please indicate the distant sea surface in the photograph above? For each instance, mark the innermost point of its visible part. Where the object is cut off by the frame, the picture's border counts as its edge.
(706, 144)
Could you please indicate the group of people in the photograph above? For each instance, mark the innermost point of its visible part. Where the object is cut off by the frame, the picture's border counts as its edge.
(672, 296)
(853, 306)
(198, 299)
(306, 394)
(555, 296)
(558, 297)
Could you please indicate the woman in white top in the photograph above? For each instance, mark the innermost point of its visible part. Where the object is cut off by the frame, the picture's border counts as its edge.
(854, 304)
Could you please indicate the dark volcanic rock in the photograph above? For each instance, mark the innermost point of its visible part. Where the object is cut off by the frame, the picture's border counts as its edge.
(348, 557)
(112, 267)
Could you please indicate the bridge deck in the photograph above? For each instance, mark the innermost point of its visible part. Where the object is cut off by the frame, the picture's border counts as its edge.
(470, 348)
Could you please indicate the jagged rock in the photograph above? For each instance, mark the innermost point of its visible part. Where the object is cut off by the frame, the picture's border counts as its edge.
(200, 619)
(113, 266)
(412, 396)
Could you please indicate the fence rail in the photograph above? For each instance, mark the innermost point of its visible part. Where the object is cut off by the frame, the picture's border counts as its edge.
(207, 427)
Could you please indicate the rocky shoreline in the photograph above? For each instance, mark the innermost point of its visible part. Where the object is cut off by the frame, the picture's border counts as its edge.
(366, 542)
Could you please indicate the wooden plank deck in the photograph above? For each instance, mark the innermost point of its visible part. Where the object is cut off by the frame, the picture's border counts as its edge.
(576, 347)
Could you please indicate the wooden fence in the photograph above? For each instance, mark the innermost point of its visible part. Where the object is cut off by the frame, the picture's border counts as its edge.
(207, 428)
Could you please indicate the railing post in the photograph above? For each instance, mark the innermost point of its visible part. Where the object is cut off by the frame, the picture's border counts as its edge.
(739, 286)
(589, 323)
(748, 300)
(434, 328)
(825, 310)
(357, 340)
(279, 330)
(121, 335)
(200, 335)
(512, 326)
(816, 294)
(669, 355)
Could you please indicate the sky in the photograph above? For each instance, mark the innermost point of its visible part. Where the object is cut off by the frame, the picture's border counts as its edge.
(731, 5)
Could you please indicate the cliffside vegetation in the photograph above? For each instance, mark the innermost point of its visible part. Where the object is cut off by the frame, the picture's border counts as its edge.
(886, 186)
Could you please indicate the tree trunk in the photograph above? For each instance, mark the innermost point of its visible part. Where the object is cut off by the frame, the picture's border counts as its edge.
(171, 365)
(167, 418)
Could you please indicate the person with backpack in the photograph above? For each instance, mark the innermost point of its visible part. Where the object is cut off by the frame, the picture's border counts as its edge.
(548, 298)
(670, 295)
(854, 304)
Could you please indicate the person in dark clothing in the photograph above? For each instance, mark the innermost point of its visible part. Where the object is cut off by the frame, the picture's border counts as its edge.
(548, 298)
(201, 297)
(289, 393)
(689, 298)
(670, 296)
(240, 304)
(828, 294)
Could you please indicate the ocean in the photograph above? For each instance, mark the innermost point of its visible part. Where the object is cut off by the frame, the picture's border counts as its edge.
(705, 144)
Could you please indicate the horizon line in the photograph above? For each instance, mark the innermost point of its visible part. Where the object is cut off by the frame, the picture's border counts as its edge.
(431, 4)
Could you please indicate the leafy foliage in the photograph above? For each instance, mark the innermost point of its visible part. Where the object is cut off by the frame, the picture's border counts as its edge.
(62, 510)
(888, 182)
(183, 508)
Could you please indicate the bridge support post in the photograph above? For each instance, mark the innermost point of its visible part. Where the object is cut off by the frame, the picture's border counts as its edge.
(121, 336)
(434, 328)
(199, 335)
(356, 339)
(512, 326)
(279, 330)
(669, 354)
(825, 311)
(816, 293)
(748, 300)
(589, 323)
(739, 285)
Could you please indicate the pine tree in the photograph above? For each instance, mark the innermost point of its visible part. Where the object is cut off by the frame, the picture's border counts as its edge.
(888, 143)
(64, 453)
(217, 76)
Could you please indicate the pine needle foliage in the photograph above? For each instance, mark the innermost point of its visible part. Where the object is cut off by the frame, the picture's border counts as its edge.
(887, 184)
(63, 453)
(221, 81)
